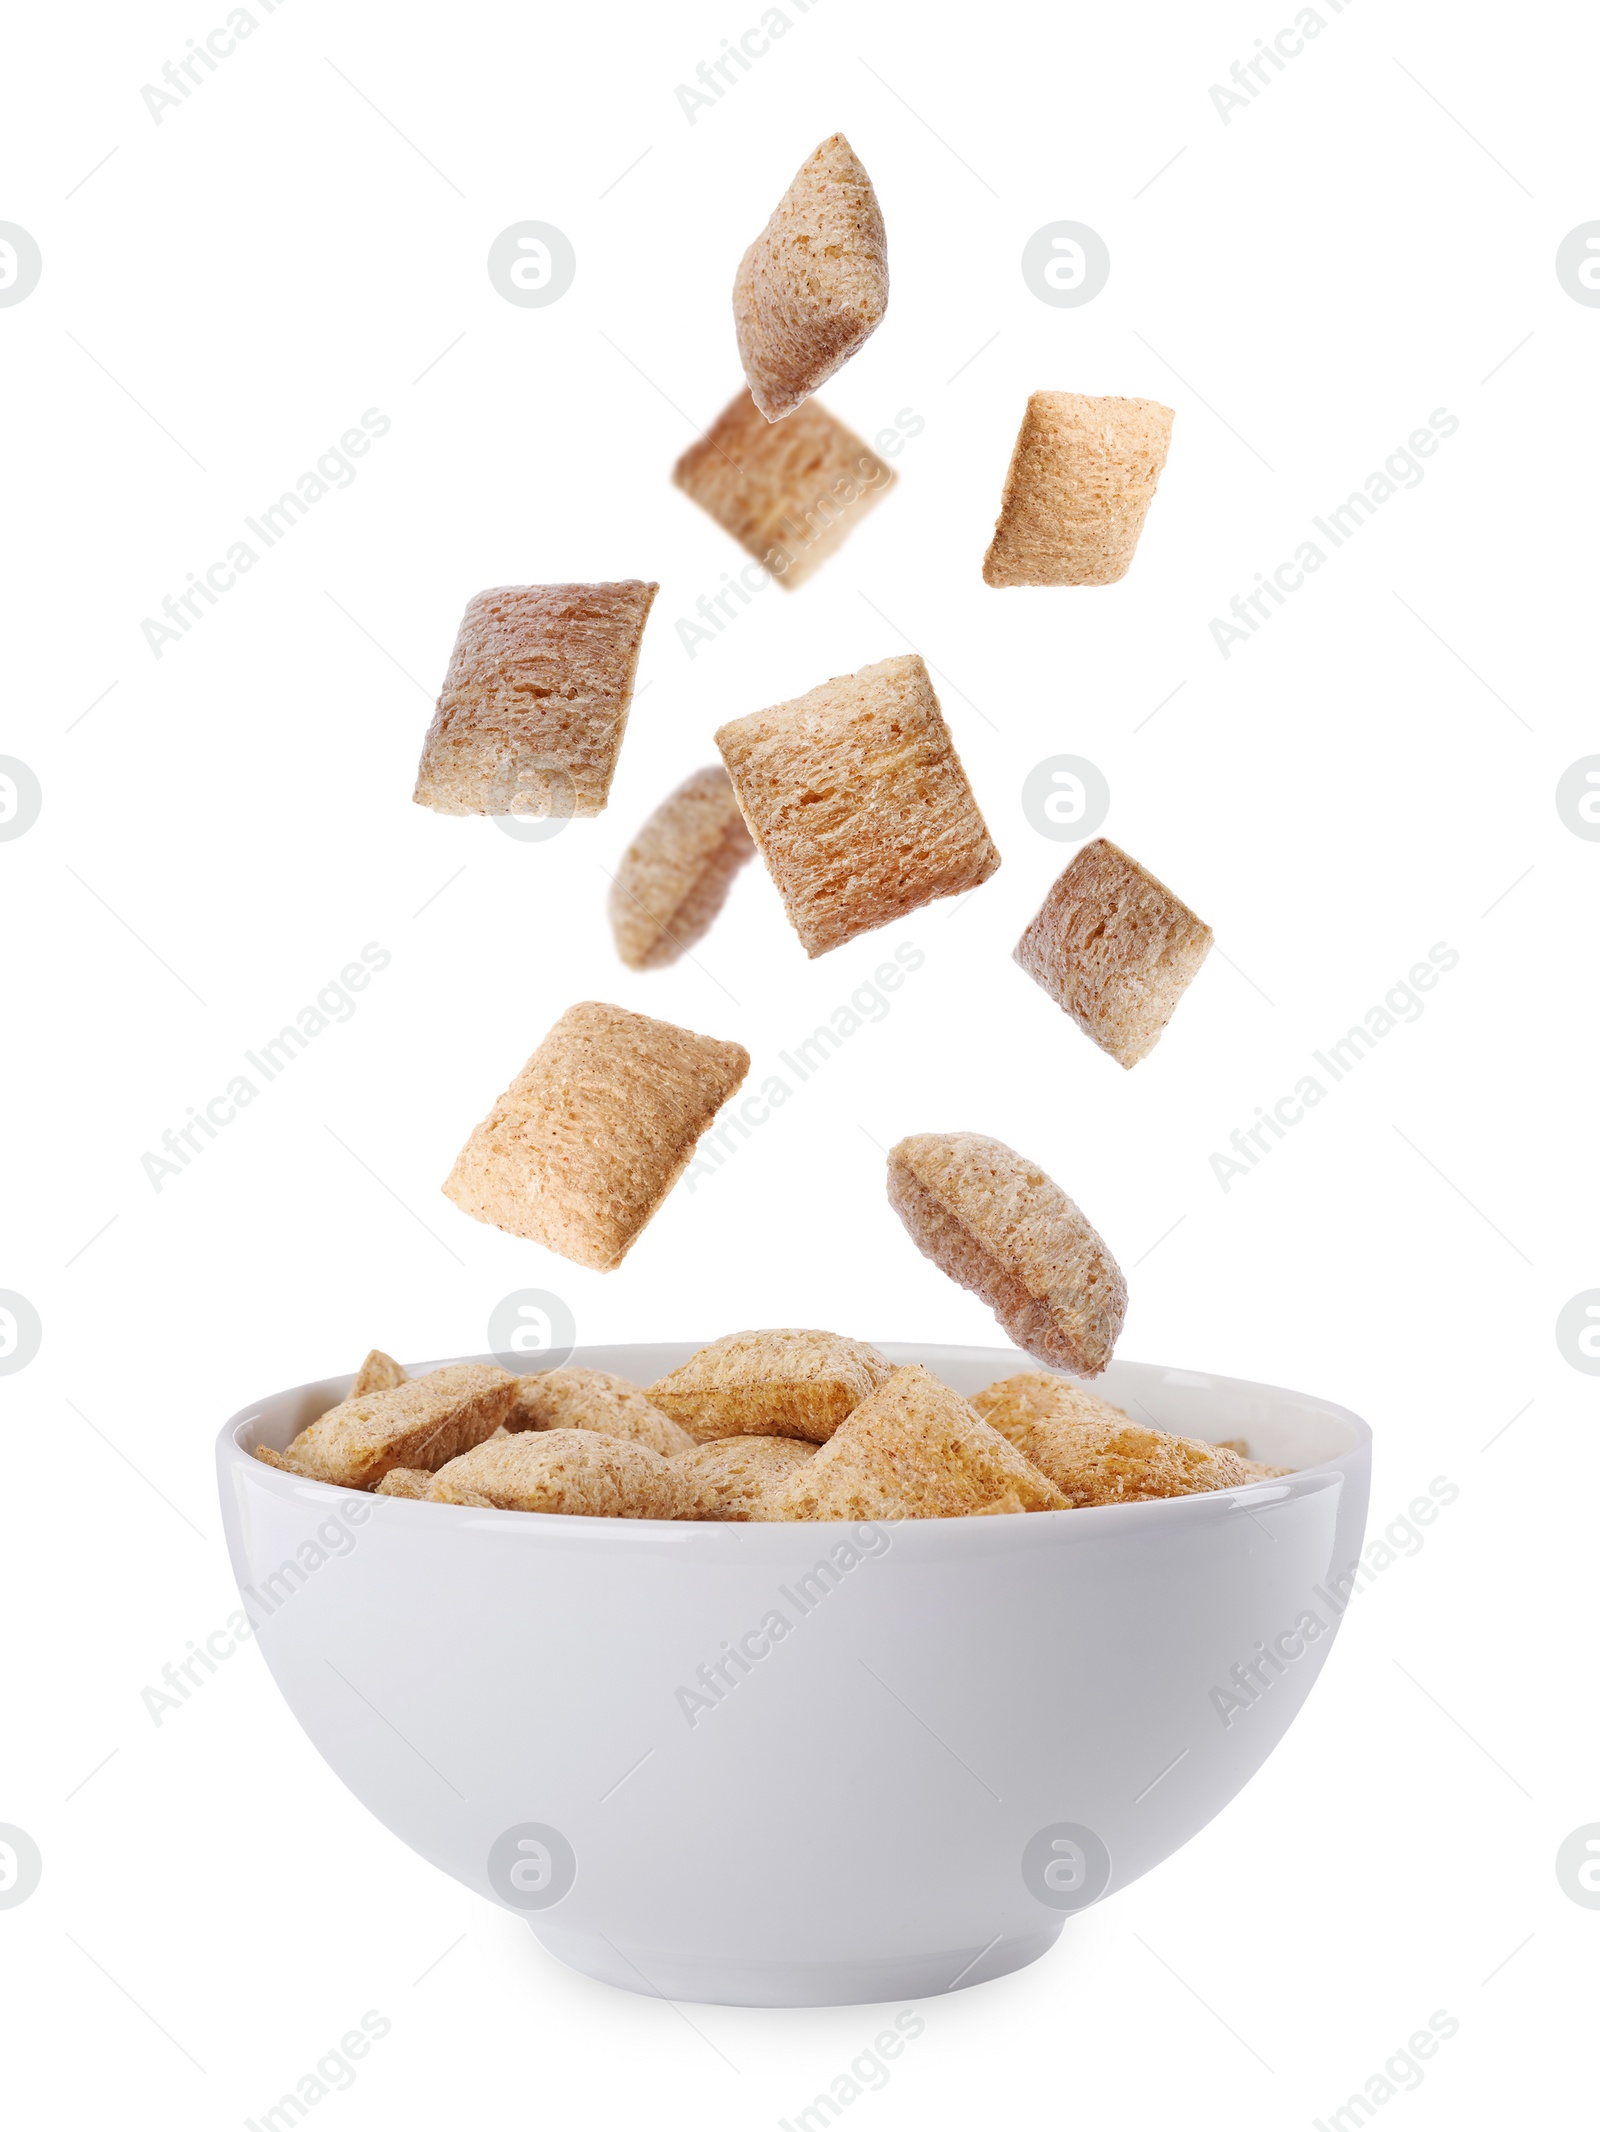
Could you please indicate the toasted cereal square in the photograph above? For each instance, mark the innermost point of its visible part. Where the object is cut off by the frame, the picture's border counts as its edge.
(815, 283)
(594, 1131)
(1115, 949)
(914, 1450)
(535, 700)
(785, 1382)
(379, 1373)
(1099, 1461)
(421, 1424)
(789, 492)
(858, 801)
(1017, 1406)
(412, 1481)
(993, 1221)
(594, 1399)
(573, 1473)
(674, 877)
(1082, 475)
(737, 1480)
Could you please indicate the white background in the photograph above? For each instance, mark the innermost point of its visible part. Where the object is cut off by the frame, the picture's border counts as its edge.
(1371, 239)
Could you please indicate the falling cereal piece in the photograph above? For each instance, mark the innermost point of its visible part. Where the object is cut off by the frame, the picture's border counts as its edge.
(788, 492)
(857, 799)
(1115, 949)
(815, 284)
(535, 700)
(1082, 475)
(573, 1473)
(786, 1382)
(914, 1450)
(675, 875)
(593, 1133)
(994, 1222)
(594, 1399)
(420, 1424)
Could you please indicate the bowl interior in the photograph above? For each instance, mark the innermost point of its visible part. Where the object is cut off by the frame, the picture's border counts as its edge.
(1282, 1428)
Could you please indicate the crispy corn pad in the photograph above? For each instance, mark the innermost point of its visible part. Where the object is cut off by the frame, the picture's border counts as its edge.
(1115, 949)
(573, 1473)
(914, 1449)
(422, 1424)
(1082, 478)
(674, 877)
(594, 1131)
(815, 283)
(780, 1383)
(594, 1399)
(738, 1478)
(535, 700)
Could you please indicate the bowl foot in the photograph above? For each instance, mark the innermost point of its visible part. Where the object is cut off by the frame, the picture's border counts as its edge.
(715, 1981)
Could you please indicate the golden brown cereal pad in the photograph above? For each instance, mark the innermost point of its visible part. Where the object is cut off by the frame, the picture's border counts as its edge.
(1082, 476)
(1095, 1462)
(594, 1399)
(994, 1222)
(786, 1382)
(789, 492)
(914, 1449)
(422, 1424)
(379, 1373)
(814, 284)
(858, 801)
(738, 1479)
(573, 1473)
(1115, 949)
(535, 700)
(594, 1131)
(675, 875)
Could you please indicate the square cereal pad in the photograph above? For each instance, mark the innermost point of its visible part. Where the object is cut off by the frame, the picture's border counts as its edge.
(535, 700)
(1115, 949)
(857, 801)
(594, 1131)
(789, 492)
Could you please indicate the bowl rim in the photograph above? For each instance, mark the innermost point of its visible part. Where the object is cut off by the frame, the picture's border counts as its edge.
(1100, 1521)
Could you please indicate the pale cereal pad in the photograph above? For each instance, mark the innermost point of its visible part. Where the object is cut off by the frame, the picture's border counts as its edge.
(410, 1481)
(594, 1399)
(1017, 1406)
(1095, 1462)
(994, 1222)
(1082, 476)
(782, 1382)
(573, 1473)
(1115, 949)
(914, 1449)
(379, 1373)
(421, 1424)
(790, 492)
(675, 875)
(858, 801)
(815, 283)
(738, 1479)
(535, 700)
(594, 1131)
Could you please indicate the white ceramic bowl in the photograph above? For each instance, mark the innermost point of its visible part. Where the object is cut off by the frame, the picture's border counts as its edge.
(944, 1739)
